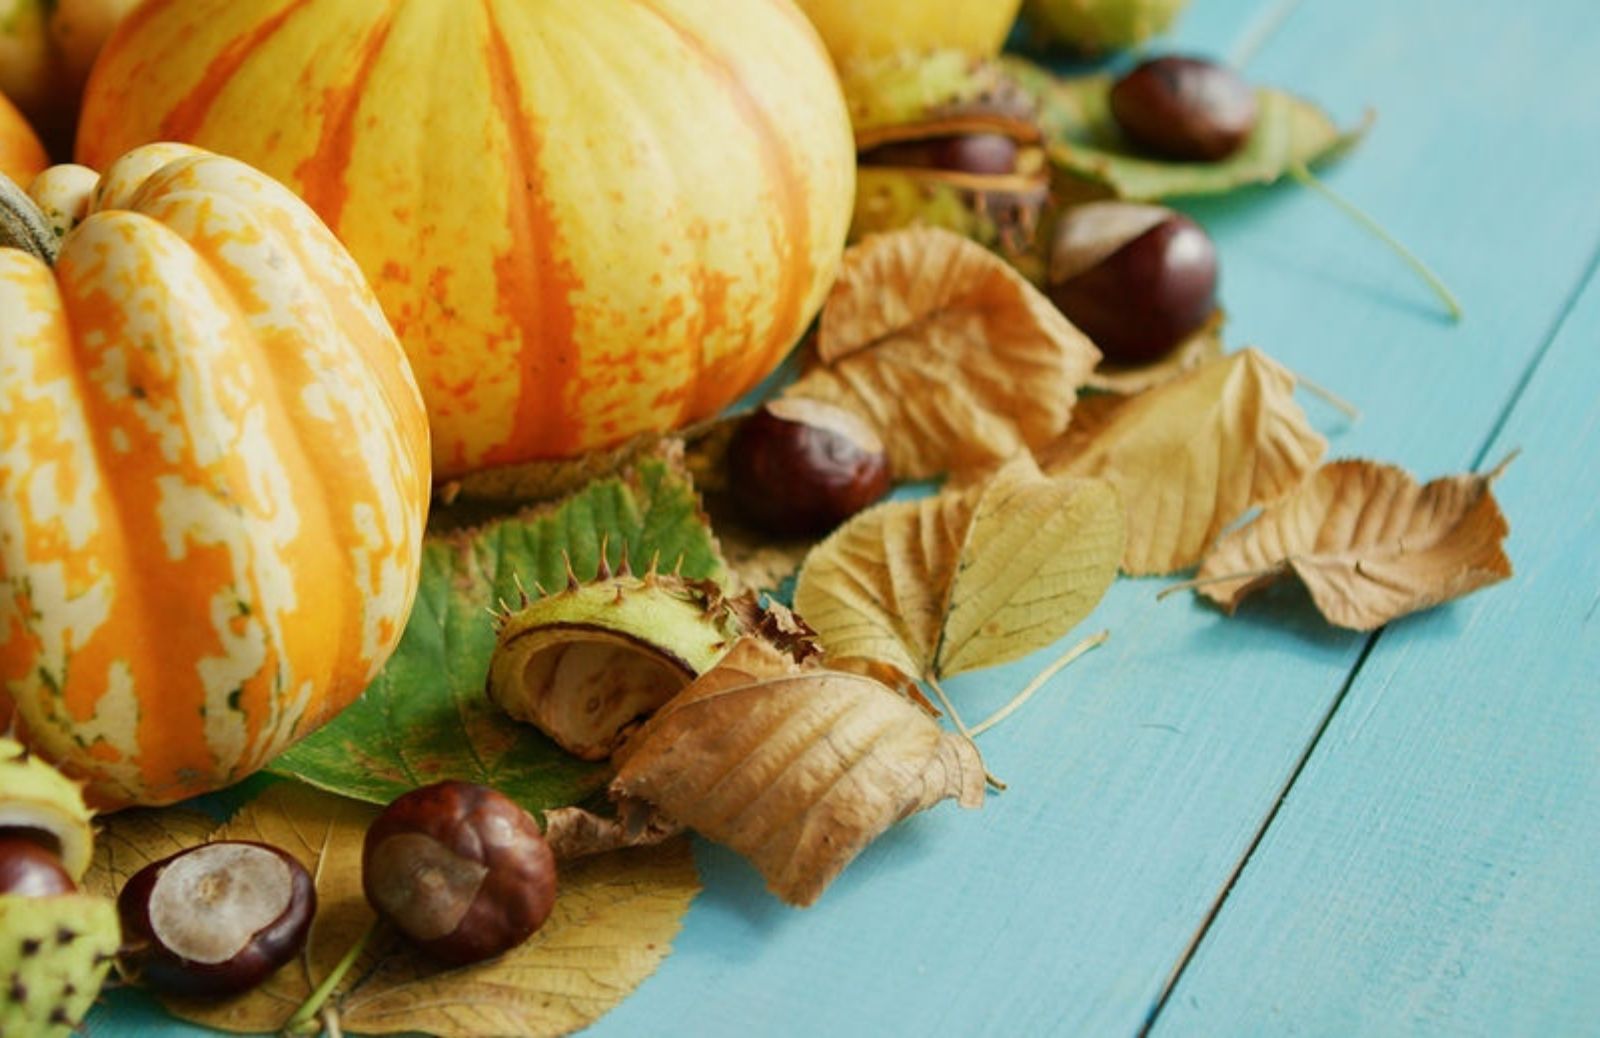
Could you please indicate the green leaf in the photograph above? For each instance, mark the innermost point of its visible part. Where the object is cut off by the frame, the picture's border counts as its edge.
(1083, 140)
(427, 717)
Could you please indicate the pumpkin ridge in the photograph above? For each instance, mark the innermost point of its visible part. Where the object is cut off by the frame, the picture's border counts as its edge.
(793, 237)
(321, 175)
(184, 121)
(536, 286)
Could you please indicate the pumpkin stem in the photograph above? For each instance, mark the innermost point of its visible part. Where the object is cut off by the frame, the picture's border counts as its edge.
(22, 224)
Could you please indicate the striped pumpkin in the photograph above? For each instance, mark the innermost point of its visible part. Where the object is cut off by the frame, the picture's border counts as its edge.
(46, 50)
(586, 220)
(213, 474)
(22, 157)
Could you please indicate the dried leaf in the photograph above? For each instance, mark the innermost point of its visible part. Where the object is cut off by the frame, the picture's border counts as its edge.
(577, 832)
(1193, 455)
(953, 356)
(798, 769)
(427, 717)
(965, 579)
(1083, 140)
(1369, 543)
(127, 841)
(614, 918)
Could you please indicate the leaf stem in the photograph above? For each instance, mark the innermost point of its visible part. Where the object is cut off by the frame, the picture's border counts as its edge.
(1307, 179)
(961, 726)
(1329, 397)
(1039, 682)
(1221, 578)
(313, 1005)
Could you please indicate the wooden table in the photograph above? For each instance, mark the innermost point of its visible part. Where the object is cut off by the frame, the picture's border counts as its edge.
(1263, 824)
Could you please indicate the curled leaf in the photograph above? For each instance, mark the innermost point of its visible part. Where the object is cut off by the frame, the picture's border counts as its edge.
(951, 355)
(1192, 455)
(797, 768)
(965, 579)
(1368, 542)
(614, 918)
(1083, 140)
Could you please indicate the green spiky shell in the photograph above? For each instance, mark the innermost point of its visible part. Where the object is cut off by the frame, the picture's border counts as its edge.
(908, 96)
(1093, 27)
(34, 795)
(1002, 214)
(54, 955)
(584, 663)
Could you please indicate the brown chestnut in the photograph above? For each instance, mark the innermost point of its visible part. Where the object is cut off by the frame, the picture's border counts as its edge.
(981, 153)
(461, 870)
(1182, 108)
(1136, 279)
(29, 869)
(215, 920)
(798, 467)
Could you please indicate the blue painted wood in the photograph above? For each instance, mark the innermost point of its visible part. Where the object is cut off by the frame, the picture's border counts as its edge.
(1143, 776)
(1435, 868)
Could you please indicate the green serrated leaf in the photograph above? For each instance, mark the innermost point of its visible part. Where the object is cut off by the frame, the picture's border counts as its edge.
(427, 718)
(1083, 140)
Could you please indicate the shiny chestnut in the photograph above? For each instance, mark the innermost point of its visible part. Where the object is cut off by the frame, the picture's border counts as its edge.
(29, 869)
(461, 870)
(978, 153)
(1183, 108)
(215, 920)
(798, 467)
(1136, 279)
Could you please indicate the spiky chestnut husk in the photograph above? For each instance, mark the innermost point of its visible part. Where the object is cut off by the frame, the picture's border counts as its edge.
(54, 955)
(939, 93)
(583, 664)
(1002, 214)
(1092, 27)
(38, 799)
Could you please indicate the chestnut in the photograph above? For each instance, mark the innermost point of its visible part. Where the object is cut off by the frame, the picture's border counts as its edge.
(215, 920)
(1136, 279)
(460, 869)
(29, 869)
(980, 153)
(1183, 108)
(798, 467)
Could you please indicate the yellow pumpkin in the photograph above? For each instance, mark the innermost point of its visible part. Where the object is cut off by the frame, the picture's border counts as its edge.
(855, 29)
(46, 50)
(22, 157)
(586, 220)
(213, 473)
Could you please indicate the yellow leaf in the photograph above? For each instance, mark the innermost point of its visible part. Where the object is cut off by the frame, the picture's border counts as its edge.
(1127, 379)
(1369, 543)
(614, 919)
(797, 768)
(1192, 455)
(955, 359)
(127, 841)
(966, 579)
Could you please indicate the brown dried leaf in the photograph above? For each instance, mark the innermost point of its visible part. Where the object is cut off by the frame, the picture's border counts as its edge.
(1369, 543)
(612, 925)
(1193, 455)
(1127, 379)
(127, 841)
(952, 355)
(798, 769)
(577, 832)
(966, 579)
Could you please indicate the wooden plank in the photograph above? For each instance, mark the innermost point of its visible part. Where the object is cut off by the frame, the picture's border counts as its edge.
(1434, 869)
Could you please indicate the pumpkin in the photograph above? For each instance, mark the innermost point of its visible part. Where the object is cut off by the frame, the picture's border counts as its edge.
(22, 157)
(587, 221)
(213, 473)
(855, 29)
(46, 50)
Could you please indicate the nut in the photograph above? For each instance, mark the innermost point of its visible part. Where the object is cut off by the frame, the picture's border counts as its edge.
(215, 920)
(1188, 109)
(461, 870)
(798, 468)
(1136, 279)
(982, 153)
(29, 869)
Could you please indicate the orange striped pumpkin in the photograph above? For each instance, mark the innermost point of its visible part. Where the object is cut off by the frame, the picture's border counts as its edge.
(46, 50)
(586, 220)
(22, 157)
(213, 474)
